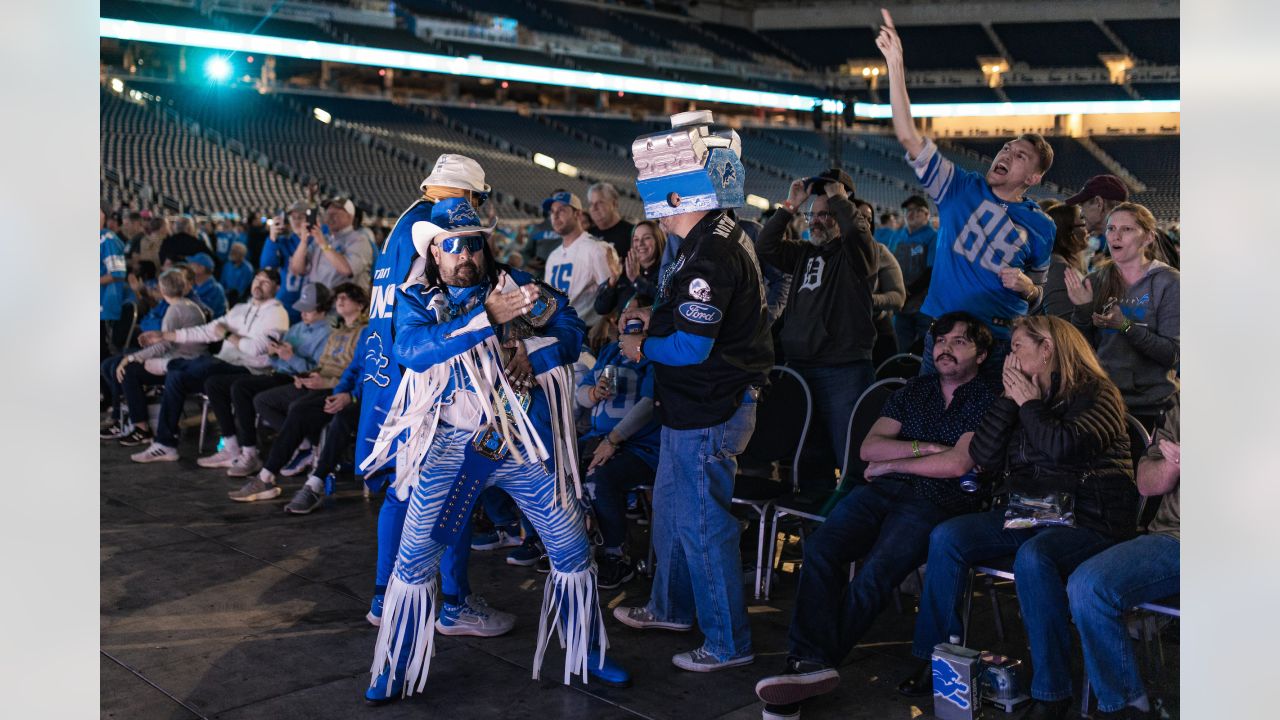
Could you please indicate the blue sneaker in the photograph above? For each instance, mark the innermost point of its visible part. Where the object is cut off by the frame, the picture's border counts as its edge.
(375, 611)
(299, 463)
(379, 693)
(527, 554)
(473, 617)
(611, 675)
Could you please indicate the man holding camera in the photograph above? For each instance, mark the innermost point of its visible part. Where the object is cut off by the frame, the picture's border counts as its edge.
(828, 330)
(343, 254)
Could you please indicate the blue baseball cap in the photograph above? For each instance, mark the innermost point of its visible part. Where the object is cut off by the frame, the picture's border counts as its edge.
(200, 259)
(567, 198)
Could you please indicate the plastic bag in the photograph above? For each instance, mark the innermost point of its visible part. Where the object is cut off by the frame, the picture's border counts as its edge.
(1032, 511)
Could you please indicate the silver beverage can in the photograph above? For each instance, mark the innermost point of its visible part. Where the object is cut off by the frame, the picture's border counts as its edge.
(956, 682)
(634, 326)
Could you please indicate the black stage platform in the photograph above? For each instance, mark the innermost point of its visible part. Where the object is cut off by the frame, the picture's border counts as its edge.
(218, 609)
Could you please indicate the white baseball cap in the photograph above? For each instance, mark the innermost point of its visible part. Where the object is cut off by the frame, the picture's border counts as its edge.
(457, 171)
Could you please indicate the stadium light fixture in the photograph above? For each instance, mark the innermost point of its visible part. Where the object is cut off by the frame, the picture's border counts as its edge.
(545, 161)
(217, 68)
(322, 115)
(756, 201)
(517, 72)
(117, 86)
(565, 168)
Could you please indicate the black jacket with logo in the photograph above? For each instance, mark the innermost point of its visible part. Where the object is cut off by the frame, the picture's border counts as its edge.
(713, 288)
(828, 317)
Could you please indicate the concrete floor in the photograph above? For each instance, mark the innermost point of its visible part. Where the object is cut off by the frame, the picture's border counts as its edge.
(218, 609)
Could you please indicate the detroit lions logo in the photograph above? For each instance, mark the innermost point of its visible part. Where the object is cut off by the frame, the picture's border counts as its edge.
(374, 357)
(947, 684)
(700, 290)
(728, 175)
(458, 213)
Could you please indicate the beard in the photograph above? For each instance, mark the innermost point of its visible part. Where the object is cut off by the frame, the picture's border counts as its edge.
(260, 293)
(820, 234)
(464, 274)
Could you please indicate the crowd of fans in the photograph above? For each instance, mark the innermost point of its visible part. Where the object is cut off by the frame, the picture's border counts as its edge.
(1028, 373)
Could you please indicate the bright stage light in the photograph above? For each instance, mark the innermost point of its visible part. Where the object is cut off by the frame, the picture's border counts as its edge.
(217, 68)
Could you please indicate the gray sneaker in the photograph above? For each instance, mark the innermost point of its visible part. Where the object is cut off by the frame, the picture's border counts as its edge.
(303, 502)
(641, 619)
(702, 661)
(473, 617)
(244, 465)
(253, 490)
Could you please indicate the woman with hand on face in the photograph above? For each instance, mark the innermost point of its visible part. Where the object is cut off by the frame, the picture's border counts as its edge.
(1059, 429)
(1129, 311)
(639, 272)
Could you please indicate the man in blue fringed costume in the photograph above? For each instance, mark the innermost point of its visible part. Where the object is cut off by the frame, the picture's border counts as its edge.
(486, 398)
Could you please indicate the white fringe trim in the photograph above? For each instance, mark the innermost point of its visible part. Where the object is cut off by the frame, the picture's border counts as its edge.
(569, 602)
(558, 385)
(405, 604)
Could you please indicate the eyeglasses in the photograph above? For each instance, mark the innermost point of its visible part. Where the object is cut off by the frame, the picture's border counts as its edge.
(455, 245)
(820, 215)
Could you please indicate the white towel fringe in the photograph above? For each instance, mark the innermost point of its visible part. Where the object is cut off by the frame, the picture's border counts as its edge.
(558, 386)
(405, 604)
(569, 602)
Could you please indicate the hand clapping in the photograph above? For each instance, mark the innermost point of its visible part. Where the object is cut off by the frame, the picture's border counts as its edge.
(505, 307)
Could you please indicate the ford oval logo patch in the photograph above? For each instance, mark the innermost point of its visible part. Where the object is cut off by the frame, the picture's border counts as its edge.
(700, 313)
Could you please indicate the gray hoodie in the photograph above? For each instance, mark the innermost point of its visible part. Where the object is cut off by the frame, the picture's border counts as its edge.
(181, 313)
(1141, 362)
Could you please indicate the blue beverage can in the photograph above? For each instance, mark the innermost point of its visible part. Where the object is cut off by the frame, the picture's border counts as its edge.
(634, 326)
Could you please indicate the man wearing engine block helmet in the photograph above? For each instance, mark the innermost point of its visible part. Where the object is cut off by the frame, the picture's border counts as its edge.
(708, 336)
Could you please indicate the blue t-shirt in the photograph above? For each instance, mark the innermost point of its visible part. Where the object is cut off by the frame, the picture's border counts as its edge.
(978, 235)
(914, 251)
(237, 278)
(110, 262)
(212, 296)
(276, 254)
(635, 381)
(222, 244)
(883, 234)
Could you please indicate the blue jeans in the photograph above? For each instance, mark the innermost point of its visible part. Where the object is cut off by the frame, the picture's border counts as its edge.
(1043, 558)
(909, 327)
(695, 536)
(183, 378)
(835, 392)
(885, 528)
(991, 369)
(1101, 590)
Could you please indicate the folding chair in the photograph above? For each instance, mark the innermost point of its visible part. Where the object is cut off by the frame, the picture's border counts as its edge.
(782, 422)
(865, 413)
(902, 365)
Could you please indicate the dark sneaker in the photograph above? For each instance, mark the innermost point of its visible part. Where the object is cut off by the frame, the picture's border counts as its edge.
(800, 681)
(613, 571)
(527, 554)
(495, 539)
(137, 436)
(543, 565)
(303, 502)
(255, 490)
(641, 619)
(781, 712)
(702, 661)
(114, 431)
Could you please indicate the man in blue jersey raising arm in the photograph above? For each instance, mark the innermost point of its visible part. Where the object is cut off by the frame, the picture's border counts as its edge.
(993, 243)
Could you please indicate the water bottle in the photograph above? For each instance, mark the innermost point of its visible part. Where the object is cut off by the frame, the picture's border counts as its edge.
(329, 484)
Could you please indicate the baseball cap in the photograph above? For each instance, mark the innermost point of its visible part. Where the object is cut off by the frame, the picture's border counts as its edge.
(344, 203)
(823, 178)
(299, 206)
(1107, 187)
(915, 201)
(201, 259)
(457, 171)
(313, 295)
(565, 197)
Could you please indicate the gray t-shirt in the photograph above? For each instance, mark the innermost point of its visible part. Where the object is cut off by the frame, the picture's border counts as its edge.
(354, 246)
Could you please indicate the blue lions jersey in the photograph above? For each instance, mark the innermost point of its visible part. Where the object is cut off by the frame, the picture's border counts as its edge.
(978, 235)
(110, 262)
(276, 254)
(635, 381)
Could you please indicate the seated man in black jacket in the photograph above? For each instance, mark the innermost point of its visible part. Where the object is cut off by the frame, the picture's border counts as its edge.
(918, 454)
(1058, 431)
(827, 332)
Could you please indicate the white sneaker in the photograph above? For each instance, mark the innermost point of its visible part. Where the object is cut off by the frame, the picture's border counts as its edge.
(155, 453)
(222, 458)
(255, 490)
(244, 465)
